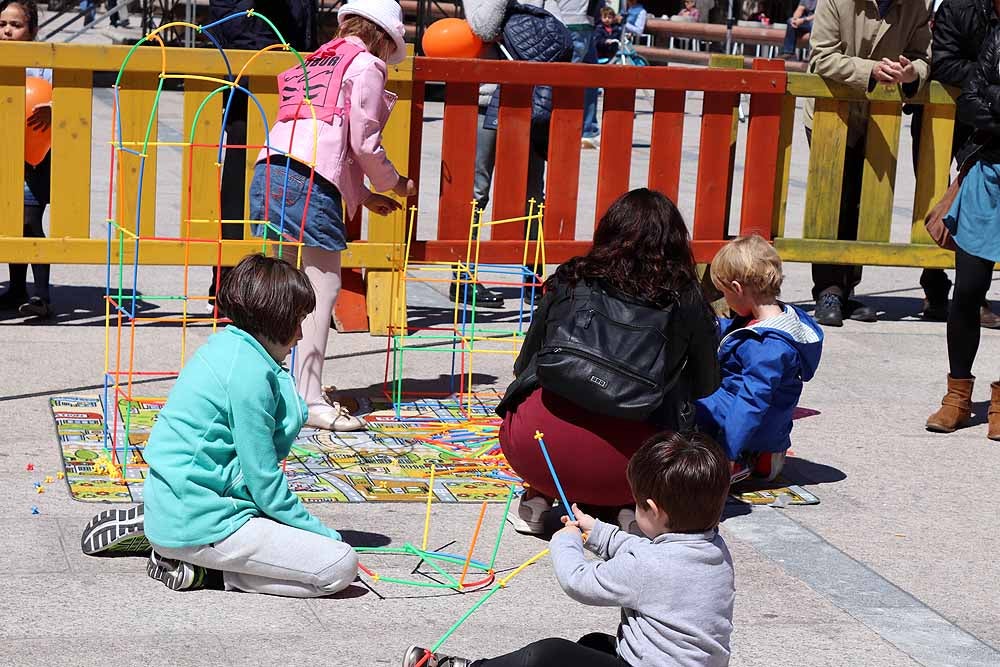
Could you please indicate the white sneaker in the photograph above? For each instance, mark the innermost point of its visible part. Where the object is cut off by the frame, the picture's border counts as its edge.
(590, 143)
(530, 516)
(333, 418)
(627, 522)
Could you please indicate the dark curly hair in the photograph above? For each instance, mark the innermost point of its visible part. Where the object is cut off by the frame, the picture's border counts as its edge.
(641, 247)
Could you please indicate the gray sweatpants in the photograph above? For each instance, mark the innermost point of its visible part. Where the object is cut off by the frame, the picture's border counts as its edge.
(265, 556)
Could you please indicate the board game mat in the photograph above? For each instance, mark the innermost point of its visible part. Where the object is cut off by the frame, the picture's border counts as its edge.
(390, 461)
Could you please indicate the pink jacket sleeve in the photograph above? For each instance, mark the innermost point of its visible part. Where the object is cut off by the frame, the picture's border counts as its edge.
(368, 115)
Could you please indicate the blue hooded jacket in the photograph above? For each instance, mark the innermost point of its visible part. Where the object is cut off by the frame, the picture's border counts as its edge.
(763, 367)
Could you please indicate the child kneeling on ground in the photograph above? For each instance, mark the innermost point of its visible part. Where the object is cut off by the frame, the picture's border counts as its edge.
(675, 588)
(766, 353)
(217, 505)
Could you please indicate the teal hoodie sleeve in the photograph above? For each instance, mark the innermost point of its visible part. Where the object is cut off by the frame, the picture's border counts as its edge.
(251, 410)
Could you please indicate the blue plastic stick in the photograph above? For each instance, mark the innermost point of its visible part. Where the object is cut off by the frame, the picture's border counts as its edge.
(562, 494)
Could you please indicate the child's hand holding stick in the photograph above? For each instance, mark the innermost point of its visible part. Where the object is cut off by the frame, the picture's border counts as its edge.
(583, 524)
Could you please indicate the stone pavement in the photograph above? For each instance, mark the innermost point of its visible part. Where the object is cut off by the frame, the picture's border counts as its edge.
(896, 566)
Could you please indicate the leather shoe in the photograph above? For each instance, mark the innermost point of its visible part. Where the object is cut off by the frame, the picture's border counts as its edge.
(859, 312)
(484, 297)
(987, 318)
(936, 311)
(829, 310)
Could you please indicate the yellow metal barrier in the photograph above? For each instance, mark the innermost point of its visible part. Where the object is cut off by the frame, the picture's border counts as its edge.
(825, 177)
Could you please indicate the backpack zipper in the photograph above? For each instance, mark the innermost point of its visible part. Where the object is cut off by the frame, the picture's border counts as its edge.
(601, 362)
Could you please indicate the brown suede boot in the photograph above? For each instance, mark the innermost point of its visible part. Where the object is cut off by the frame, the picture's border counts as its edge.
(994, 415)
(956, 407)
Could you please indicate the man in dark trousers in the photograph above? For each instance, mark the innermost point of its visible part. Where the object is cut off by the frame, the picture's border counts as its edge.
(960, 28)
(862, 44)
(294, 19)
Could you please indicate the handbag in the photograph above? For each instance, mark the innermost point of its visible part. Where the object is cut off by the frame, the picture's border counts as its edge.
(934, 222)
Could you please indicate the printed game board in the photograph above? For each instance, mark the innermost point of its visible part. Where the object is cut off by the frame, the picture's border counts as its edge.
(391, 461)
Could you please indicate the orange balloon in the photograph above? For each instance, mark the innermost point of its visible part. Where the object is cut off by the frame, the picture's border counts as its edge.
(36, 142)
(451, 38)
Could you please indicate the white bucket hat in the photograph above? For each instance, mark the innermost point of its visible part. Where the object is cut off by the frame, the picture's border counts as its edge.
(384, 13)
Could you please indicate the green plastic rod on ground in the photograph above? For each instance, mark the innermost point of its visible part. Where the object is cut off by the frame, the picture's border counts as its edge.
(479, 603)
(503, 522)
(420, 554)
(441, 450)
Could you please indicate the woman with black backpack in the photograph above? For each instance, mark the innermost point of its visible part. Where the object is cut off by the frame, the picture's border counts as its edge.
(621, 344)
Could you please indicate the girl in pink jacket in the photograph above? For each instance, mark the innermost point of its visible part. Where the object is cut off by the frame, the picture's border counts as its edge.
(332, 119)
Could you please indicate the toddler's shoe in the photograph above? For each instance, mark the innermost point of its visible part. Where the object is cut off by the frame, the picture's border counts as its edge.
(768, 465)
(415, 654)
(627, 522)
(740, 470)
(175, 574)
(530, 516)
(115, 532)
(333, 417)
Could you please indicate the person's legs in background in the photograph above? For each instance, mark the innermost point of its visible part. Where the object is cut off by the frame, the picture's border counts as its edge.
(935, 282)
(234, 165)
(792, 36)
(118, 16)
(585, 52)
(89, 10)
(973, 276)
(37, 189)
(39, 303)
(486, 156)
(536, 192)
(833, 284)
(972, 280)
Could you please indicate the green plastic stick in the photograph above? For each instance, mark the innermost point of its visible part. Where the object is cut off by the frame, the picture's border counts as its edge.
(434, 566)
(503, 522)
(464, 617)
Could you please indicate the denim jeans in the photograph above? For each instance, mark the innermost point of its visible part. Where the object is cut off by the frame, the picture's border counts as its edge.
(486, 156)
(320, 226)
(585, 52)
(792, 35)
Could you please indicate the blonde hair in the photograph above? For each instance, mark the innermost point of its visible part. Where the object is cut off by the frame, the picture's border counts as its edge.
(752, 262)
(375, 38)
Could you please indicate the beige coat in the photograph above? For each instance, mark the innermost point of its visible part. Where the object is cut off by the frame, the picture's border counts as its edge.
(848, 38)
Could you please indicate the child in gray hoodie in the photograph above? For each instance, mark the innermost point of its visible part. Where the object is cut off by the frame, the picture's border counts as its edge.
(675, 588)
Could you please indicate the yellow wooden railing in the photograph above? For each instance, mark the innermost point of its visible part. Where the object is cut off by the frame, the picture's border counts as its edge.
(73, 172)
(826, 161)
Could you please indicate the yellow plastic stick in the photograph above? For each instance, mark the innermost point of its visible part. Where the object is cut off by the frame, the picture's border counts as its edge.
(517, 570)
(427, 516)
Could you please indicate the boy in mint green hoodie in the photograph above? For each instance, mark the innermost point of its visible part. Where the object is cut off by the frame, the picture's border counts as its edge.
(216, 498)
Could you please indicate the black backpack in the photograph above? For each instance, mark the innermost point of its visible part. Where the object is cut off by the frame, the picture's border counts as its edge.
(607, 352)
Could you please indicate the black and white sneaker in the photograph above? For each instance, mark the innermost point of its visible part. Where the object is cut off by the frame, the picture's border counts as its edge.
(415, 655)
(175, 574)
(116, 532)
